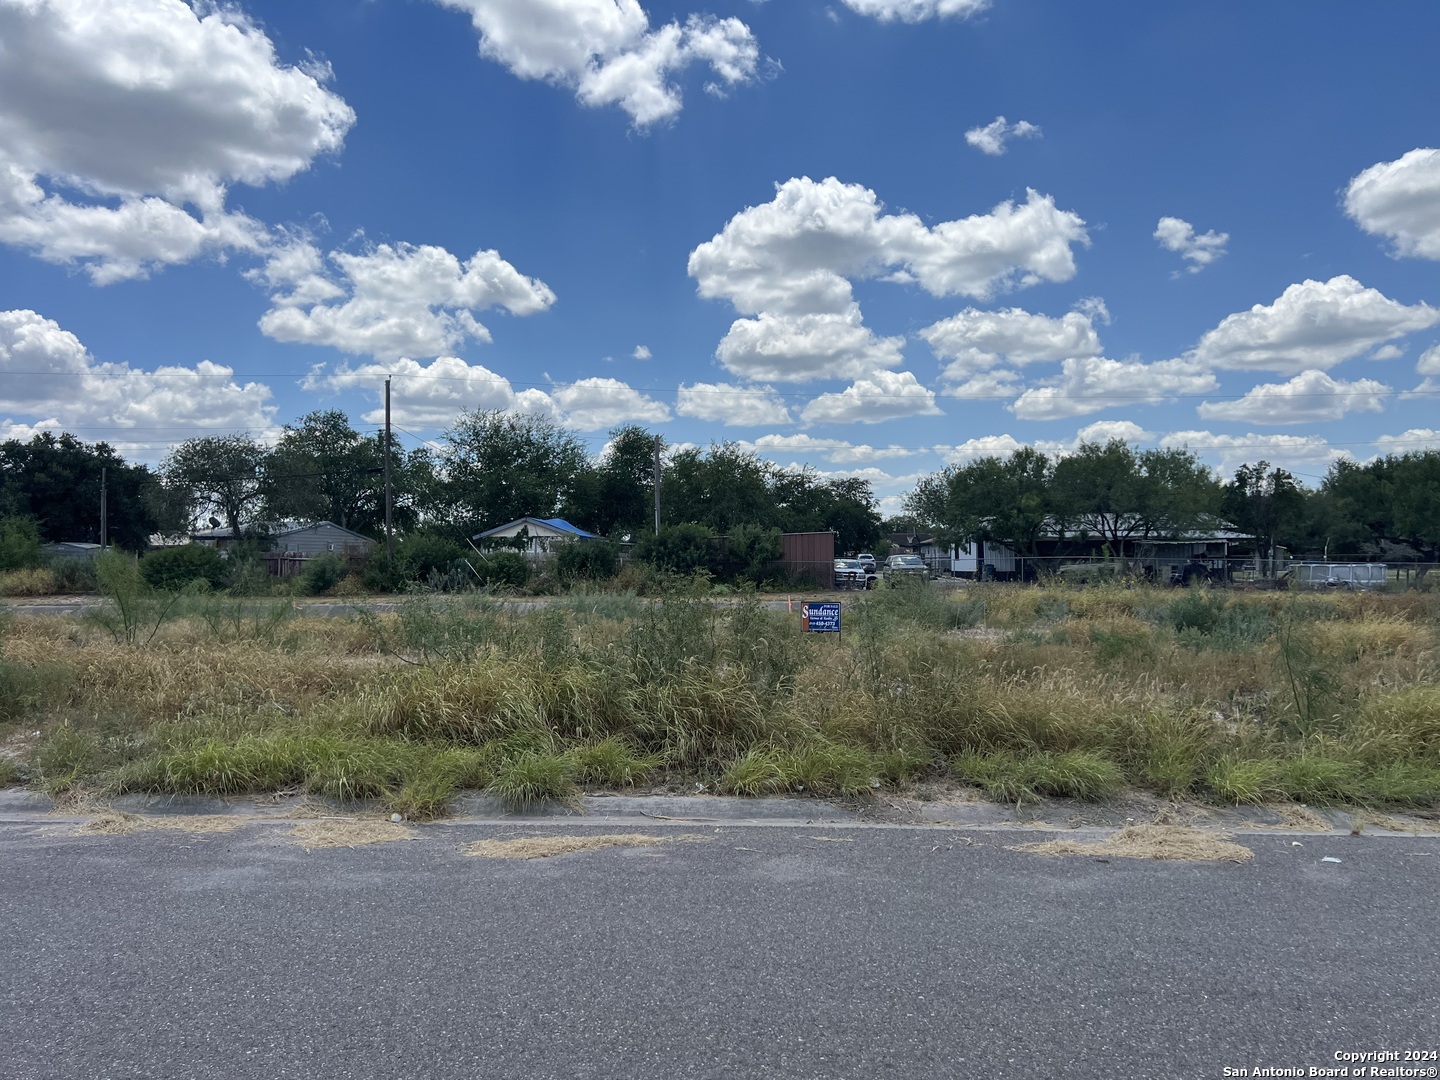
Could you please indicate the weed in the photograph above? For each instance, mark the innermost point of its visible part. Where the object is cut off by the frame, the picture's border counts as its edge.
(612, 763)
(534, 778)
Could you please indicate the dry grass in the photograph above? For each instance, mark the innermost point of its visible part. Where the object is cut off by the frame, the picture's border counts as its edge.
(546, 847)
(1166, 842)
(337, 833)
(1298, 818)
(119, 823)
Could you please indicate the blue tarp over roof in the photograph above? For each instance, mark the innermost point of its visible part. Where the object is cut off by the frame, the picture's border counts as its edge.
(555, 523)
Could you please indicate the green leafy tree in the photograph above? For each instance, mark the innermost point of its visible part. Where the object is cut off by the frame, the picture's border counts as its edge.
(1111, 491)
(624, 483)
(322, 469)
(220, 475)
(501, 466)
(720, 488)
(55, 480)
(679, 549)
(1263, 502)
(989, 499)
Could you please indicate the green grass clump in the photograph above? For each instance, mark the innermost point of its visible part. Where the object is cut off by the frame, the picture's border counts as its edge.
(612, 763)
(535, 778)
(1006, 777)
(1242, 781)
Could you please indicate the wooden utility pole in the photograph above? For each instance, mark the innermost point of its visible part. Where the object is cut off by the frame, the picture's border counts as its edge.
(104, 510)
(659, 445)
(389, 530)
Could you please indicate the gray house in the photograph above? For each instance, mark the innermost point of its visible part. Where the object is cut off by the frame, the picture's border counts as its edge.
(318, 539)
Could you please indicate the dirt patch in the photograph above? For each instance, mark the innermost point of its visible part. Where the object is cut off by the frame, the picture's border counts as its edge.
(322, 833)
(1169, 842)
(546, 847)
(119, 823)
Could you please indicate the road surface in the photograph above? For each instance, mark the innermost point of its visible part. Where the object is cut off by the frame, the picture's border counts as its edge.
(786, 951)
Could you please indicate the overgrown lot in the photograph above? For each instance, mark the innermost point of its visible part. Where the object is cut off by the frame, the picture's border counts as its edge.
(1023, 692)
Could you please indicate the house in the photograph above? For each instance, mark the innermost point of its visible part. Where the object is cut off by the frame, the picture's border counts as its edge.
(1208, 554)
(533, 536)
(319, 538)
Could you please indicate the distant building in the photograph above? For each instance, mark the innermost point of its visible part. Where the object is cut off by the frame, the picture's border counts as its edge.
(541, 535)
(320, 538)
(71, 549)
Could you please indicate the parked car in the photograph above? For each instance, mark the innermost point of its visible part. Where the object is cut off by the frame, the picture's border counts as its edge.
(867, 560)
(852, 574)
(900, 568)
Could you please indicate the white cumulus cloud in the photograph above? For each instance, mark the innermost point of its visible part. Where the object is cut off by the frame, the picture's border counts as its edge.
(1228, 452)
(836, 451)
(123, 123)
(1310, 397)
(607, 52)
(1413, 441)
(48, 375)
(733, 406)
(391, 301)
(975, 341)
(1315, 324)
(1197, 249)
(596, 403)
(431, 395)
(1400, 200)
(1089, 384)
(789, 263)
(992, 137)
(917, 10)
(885, 395)
(642, 352)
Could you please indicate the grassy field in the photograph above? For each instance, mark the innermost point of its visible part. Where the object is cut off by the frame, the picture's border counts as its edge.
(1022, 692)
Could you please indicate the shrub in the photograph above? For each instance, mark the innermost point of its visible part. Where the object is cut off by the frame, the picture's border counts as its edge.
(499, 568)
(174, 568)
(679, 549)
(32, 582)
(74, 575)
(19, 544)
(247, 577)
(323, 573)
(587, 559)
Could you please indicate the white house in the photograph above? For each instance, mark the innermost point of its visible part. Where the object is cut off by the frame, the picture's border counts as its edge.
(542, 535)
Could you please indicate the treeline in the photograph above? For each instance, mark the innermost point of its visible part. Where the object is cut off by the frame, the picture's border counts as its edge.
(1387, 508)
(488, 469)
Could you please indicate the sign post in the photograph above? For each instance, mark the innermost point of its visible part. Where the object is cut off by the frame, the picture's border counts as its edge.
(820, 618)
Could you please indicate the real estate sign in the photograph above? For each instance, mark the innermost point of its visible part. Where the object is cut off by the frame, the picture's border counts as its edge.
(818, 618)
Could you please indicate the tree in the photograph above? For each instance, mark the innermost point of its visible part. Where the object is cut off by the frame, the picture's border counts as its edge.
(1262, 502)
(721, 487)
(503, 466)
(55, 480)
(220, 475)
(1111, 491)
(323, 470)
(1002, 499)
(625, 482)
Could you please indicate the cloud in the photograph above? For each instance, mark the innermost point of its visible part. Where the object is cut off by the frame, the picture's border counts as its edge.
(1315, 324)
(1198, 249)
(432, 395)
(1429, 362)
(733, 406)
(1400, 200)
(789, 263)
(976, 341)
(995, 385)
(836, 451)
(1089, 384)
(885, 395)
(917, 10)
(1387, 352)
(1310, 397)
(390, 301)
(991, 138)
(1229, 452)
(798, 348)
(46, 373)
(596, 403)
(642, 352)
(1415, 440)
(606, 51)
(975, 449)
(123, 123)
(1102, 431)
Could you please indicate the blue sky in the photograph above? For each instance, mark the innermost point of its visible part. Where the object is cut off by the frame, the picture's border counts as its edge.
(798, 224)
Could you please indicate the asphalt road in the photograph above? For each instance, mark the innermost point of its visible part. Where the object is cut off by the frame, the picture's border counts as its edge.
(759, 952)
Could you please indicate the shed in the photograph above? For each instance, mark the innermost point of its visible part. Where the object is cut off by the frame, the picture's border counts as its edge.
(71, 549)
(541, 534)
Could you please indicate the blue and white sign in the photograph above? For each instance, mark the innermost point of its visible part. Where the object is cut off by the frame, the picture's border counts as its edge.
(820, 618)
